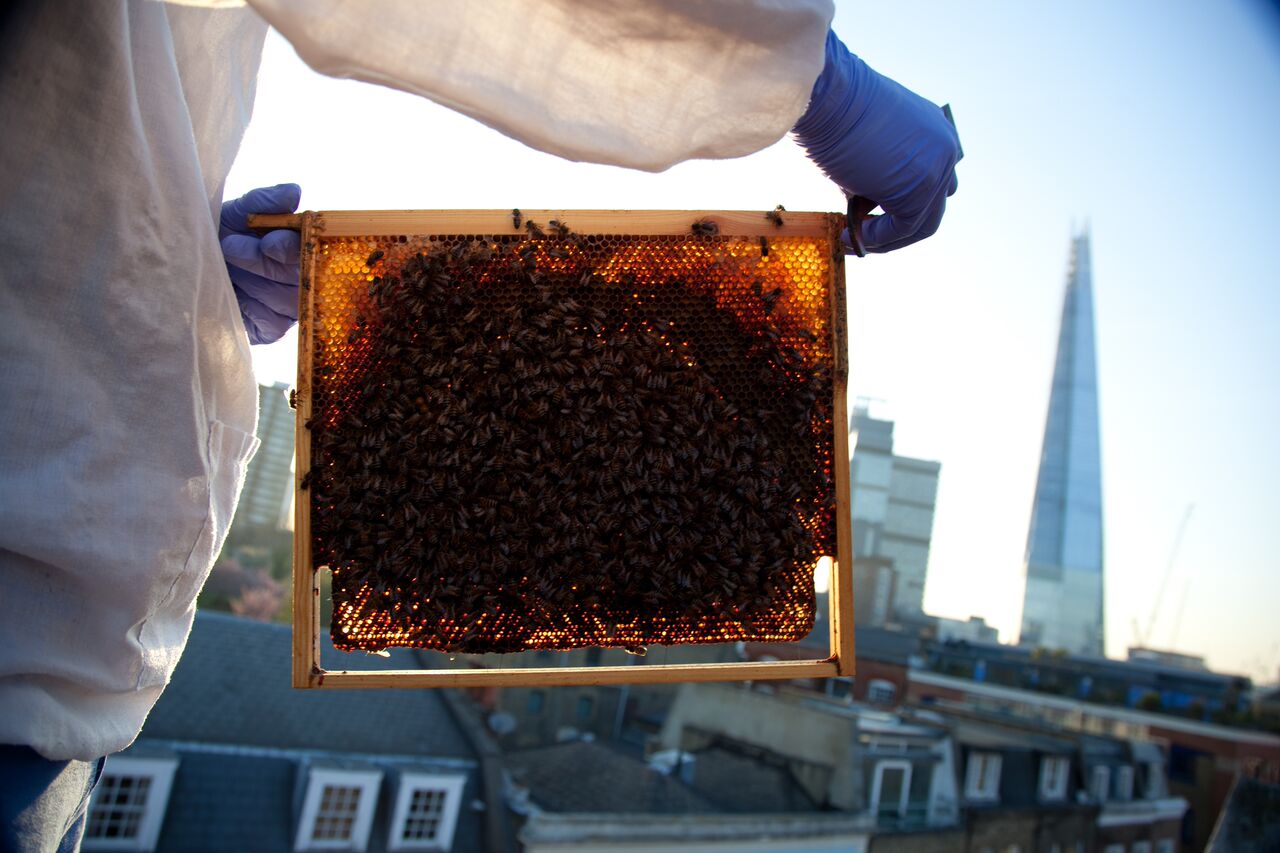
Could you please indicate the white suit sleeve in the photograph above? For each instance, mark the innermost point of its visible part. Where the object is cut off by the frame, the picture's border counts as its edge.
(641, 84)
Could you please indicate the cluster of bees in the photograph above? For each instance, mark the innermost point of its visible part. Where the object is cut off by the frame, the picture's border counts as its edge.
(537, 455)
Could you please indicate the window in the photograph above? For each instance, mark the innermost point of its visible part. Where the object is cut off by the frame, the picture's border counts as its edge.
(128, 805)
(890, 788)
(881, 692)
(1100, 786)
(1053, 777)
(1155, 784)
(1124, 783)
(426, 811)
(982, 778)
(337, 810)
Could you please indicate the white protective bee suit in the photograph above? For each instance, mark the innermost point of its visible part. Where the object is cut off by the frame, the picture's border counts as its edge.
(127, 402)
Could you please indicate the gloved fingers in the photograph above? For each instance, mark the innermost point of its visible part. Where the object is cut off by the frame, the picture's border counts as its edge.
(280, 297)
(898, 227)
(282, 198)
(249, 252)
(927, 228)
(264, 325)
(285, 246)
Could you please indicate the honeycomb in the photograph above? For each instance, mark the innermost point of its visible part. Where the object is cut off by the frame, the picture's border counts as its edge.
(551, 440)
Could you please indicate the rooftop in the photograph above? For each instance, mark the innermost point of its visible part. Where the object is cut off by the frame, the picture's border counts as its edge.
(233, 686)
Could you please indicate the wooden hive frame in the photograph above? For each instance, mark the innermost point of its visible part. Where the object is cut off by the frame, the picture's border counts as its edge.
(316, 227)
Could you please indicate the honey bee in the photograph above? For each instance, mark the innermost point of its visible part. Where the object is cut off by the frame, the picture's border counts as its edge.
(559, 229)
(533, 230)
(705, 228)
(775, 216)
(516, 218)
(764, 247)
(374, 256)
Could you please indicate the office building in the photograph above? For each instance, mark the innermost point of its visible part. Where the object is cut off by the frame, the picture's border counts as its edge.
(893, 503)
(268, 484)
(1062, 607)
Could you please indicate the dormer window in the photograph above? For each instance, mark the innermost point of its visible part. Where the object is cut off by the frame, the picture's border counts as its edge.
(1124, 783)
(982, 778)
(1155, 784)
(426, 811)
(1100, 784)
(1053, 778)
(337, 810)
(128, 804)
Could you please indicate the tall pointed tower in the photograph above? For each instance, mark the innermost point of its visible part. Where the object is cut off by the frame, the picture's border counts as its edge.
(1062, 607)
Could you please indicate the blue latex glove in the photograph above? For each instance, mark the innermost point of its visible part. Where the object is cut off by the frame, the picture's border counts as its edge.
(879, 140)
(263, 268)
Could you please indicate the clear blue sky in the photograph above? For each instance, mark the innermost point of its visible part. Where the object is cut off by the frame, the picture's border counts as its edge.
(1156, 122)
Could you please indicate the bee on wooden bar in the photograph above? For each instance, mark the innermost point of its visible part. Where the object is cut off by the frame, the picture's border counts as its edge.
(516, 218)
(533, 230)
(775, 216)
(704, 228)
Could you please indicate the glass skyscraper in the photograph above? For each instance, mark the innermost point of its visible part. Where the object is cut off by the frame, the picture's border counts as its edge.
(1062, 607)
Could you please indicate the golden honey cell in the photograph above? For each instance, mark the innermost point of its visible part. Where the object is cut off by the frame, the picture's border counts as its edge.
(546, 439)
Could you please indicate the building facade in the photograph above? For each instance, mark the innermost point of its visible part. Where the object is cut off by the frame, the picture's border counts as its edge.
(893, 506)
(1062, 607)
(268, 483)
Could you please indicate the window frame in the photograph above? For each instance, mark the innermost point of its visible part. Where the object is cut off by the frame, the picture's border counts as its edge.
(1155, 785)
(368, 781)
(159, 772)
(881, 691)
(1100, 790)
(974, 789)
(1056, 792)
(877, 785)
(1124, 782)
(413, 781)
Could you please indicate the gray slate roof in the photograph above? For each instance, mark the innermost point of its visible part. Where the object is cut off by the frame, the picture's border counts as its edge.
(588, 777)
(739, 783)
(232, 687)
(243, 738)
(1250, 820)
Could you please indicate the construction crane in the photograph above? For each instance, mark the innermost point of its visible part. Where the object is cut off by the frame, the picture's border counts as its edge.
(1145, 636)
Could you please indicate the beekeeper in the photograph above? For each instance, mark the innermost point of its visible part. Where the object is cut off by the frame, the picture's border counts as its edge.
(131, 292)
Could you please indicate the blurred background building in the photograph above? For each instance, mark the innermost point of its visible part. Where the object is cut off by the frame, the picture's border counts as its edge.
(268, 485)
(893, 505)
(1062, 607)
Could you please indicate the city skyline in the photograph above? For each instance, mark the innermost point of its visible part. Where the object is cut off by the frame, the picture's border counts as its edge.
(1074, 109)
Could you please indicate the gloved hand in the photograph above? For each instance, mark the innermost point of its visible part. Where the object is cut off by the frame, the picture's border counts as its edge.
(263, 268)
(879, 140)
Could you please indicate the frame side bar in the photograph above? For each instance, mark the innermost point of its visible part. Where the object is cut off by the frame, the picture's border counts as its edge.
(842, 634)
(306, 589)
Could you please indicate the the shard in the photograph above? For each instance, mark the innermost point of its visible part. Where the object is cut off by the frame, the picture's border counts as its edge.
(1062, 607)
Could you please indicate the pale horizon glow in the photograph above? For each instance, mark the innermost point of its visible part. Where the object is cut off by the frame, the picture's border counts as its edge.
(1151, 122)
